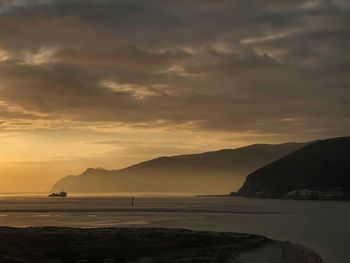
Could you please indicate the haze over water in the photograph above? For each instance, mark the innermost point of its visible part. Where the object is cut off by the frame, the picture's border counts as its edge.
(322, 226)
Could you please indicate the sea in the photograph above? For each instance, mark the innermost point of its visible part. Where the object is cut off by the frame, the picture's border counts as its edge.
(321, 225)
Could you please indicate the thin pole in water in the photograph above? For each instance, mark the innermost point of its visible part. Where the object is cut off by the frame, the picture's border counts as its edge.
(132, 201)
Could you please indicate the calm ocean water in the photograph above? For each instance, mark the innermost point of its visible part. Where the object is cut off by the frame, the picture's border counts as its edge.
(321, 225)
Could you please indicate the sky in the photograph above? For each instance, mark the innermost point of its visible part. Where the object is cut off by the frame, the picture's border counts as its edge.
(87, 83)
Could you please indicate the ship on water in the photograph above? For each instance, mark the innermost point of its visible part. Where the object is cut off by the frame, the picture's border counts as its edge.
(60, 194)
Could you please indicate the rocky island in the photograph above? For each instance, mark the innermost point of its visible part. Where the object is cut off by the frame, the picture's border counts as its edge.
(144, 245)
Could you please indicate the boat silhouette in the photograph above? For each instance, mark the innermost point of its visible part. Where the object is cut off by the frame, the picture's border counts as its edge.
(60, 194)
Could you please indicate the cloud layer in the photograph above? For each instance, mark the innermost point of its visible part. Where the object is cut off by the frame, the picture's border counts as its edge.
(269, 67)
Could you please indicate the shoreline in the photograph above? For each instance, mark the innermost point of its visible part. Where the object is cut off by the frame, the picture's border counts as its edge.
(62, 244)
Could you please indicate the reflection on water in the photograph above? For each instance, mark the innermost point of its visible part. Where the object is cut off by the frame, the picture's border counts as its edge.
(321, 225)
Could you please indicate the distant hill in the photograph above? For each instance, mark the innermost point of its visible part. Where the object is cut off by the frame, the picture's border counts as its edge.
(204, 173)
(318, 166)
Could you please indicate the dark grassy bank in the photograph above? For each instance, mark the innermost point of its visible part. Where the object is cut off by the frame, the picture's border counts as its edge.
(123, 245)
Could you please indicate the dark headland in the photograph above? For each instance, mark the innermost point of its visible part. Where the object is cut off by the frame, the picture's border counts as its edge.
(144, 245)
(320, 170)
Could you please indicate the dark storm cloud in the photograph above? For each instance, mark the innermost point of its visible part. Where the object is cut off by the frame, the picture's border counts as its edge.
(265, 66)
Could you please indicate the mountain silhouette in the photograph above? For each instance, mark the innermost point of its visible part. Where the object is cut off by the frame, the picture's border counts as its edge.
(204, 173)
(320, 165)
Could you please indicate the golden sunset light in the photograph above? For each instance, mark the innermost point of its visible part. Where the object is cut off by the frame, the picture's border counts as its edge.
(158, 131)
(114, 83)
